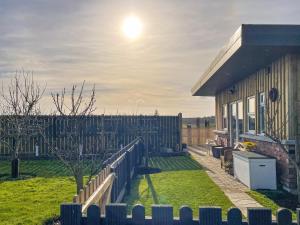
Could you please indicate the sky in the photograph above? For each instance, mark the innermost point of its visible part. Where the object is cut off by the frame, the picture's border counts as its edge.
(67, 42)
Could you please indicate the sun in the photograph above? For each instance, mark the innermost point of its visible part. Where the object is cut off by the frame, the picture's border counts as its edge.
(132, 27)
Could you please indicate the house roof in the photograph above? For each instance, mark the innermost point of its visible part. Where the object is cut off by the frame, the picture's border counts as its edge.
(249, 49)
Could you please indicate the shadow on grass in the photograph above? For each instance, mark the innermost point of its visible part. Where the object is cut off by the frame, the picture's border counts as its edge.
(38, 168)
(282, 198)
(137, 196)
(174, 163)
(22, 176)
(152, 189)
(55, 220)
(134, 194)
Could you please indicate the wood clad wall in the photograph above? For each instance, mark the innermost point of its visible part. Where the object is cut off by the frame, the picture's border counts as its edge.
(280, 74)
(296, 73)
(107, 132)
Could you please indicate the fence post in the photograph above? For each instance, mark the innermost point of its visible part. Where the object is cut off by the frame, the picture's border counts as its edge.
(284, 217)
(259, 216)
(116, 214)
(138, 215)
(185, 215)
(76, 199)
(234, 216)
(70, 214)
(180, 131)
(113, 195)
(128, 171)
(93, 215)
(210, 216)
(162, 215)
(81, 196)
(141, 152)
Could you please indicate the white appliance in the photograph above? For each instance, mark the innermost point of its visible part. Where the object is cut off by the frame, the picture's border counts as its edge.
(254, 170)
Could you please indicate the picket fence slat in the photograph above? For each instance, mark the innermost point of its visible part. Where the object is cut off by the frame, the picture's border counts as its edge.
(70, 214)
(259, 216)
(162, 215)
(185, 215)
(116, 214)
(138, 215)
(210, 216)
(234, 216)
(93, 215)
(284, 217)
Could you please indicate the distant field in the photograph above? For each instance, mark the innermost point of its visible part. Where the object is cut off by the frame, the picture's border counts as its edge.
(37, 198)
(181, 182)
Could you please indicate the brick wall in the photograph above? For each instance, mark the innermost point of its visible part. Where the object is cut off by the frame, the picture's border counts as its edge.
(286, 174)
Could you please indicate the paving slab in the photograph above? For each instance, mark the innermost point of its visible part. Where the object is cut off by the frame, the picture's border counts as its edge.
(232, 188)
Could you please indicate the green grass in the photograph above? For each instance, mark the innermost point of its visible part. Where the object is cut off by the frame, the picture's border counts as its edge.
(37, 199)
(181, 182)
(276, 200)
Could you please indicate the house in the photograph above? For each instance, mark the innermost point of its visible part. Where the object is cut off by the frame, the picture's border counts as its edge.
(255, 80)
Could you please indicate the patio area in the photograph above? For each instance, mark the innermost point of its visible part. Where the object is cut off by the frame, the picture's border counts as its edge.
(234, 190)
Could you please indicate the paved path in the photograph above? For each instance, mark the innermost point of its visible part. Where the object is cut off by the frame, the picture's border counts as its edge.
(233, 189)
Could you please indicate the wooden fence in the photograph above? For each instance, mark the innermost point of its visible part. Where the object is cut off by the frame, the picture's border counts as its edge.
(112, 182)
(197, 135)
(116, 214)
(104, 132)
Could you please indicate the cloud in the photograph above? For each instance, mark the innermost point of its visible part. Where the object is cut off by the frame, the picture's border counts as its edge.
(66, 42)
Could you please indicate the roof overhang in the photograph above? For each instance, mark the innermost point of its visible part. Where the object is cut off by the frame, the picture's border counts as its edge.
(249, 49)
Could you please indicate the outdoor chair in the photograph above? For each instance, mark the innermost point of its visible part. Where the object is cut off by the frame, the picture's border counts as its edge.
(227, 160)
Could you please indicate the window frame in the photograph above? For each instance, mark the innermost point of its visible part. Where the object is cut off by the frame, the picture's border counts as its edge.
(225, 123)
(251, 114)
(261, 118)
(241, 131)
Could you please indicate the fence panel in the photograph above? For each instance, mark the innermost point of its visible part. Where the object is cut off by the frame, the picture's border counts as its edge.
(105, 132)
(112, 182)
(116, 214)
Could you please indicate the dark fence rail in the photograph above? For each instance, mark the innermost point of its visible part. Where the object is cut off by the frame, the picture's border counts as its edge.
(124, 168)
(104, 132)
(112, 182)
(116, 214)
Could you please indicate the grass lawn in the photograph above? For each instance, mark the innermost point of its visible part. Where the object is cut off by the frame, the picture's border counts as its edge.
(275, 200)
(181, 182)
(38, 198)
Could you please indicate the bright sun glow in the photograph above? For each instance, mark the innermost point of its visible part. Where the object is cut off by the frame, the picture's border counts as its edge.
(132, 27)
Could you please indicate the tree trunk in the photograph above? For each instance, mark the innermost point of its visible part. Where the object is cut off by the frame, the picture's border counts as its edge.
(79, 180)
(15, 168)
(147, 156)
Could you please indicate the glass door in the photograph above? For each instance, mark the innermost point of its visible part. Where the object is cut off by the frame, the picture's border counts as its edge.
(240, 117)
(236, 121)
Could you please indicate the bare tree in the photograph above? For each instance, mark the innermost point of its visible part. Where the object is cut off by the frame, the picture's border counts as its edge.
(19, 108)
(71, 152)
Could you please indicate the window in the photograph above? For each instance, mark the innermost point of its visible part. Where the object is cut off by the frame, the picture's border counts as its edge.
(233, 123)
(262, 113)
(251, 114)
(240, 117)
(224, 117)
